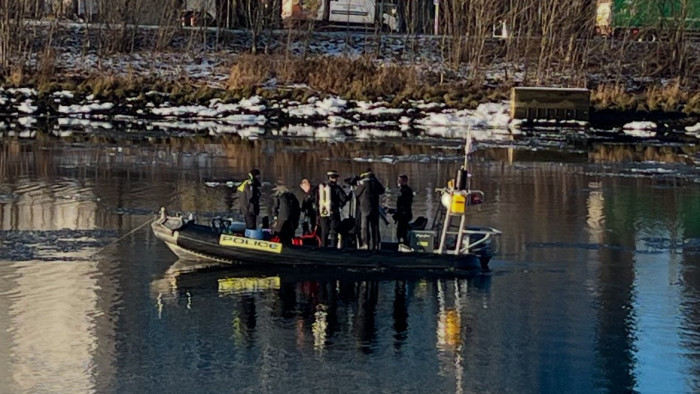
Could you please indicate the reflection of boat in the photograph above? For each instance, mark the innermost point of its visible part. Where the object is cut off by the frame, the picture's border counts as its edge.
(186, 275)
(195, 242)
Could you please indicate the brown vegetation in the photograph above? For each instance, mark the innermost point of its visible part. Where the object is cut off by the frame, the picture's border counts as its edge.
(359, 78)
(669, 98)
(549, 43)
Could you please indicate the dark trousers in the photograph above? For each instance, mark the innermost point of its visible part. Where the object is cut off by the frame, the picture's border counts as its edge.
(369, 226)
(312, 223)
(251, 221)
(402, 230)
(286, 233)
(329, 227)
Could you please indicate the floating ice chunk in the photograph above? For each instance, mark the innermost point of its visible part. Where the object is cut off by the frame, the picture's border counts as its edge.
(223, 108)
(26, 121)
(364, 105)
(366, 134)
(63, 94)
(694, 130)
(640, 125)
(27, 134)
(446, 120)
(84, 123)
(642, 129)
(196, 126)
(23, 91)
(338, 121)
(640, 133)
(84, 109)
(323, 133)
(332, 105)
(251, 133)
(62, 133)
(27, 107)
(252, 104)
(302, 111)
(424, 105)
(493, 114)
(383, 111)
(179, 111)
(245, 120)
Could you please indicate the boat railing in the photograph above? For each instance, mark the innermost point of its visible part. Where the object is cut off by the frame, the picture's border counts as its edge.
(487, 233)
(464, 244)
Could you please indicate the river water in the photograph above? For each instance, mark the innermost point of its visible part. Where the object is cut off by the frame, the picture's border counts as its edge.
(595, 282)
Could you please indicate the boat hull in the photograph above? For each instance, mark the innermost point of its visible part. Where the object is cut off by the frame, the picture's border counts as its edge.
(197, 242)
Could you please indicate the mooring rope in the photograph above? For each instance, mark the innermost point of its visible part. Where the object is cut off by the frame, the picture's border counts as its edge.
(122, 237)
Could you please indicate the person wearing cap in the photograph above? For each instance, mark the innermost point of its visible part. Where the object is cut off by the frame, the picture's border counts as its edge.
(331, 199)
(286, 214)
(367, 192)
(404, 211)
(309, 207)
(249, 202)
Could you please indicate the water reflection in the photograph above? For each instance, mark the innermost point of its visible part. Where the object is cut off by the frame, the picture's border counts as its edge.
(594, 281)
(323, 306)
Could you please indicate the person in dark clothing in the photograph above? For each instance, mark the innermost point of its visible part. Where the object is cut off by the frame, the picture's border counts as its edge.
(404, 212)
(367, 192)
(286, 210)
(331, 198)
(249, 202)
(309, 207)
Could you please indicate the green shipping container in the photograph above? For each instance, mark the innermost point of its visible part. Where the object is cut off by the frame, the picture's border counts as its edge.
(656, 15)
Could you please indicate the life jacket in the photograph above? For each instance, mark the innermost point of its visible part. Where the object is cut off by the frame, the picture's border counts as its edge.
(324, 200)
(242, 186)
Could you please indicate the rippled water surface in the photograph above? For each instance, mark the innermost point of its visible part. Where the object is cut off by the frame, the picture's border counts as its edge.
(595, 283)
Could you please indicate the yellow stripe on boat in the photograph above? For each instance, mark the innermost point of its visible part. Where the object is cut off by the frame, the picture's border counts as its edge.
(237, 285)
(248, 243)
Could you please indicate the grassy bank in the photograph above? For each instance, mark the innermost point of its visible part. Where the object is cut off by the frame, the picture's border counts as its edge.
(358, 78)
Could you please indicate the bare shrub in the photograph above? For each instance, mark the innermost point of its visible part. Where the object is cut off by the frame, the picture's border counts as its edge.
(250, 70)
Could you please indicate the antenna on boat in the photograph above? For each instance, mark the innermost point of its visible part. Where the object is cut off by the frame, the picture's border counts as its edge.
(467, 151)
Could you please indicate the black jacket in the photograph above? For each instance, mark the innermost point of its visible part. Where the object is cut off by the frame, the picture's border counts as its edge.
(249, 202)
(286, 209)
(338, 197)
(309, 206)
(404, 203)
(367, 192)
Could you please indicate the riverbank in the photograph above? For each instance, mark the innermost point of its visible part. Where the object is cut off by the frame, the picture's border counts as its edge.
(330, 79)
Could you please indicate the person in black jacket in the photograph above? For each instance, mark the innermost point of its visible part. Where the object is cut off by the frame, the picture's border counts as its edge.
(249, 202)
(329, 211)
(367, 192)
(404, 212)
(309, 207)
(286, 214)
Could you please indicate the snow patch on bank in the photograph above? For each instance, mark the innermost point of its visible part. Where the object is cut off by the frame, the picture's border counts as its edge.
(693, 130)
(85, 109)
(642, 129)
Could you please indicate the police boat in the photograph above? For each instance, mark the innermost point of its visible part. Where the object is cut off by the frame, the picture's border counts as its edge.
(453, 245)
